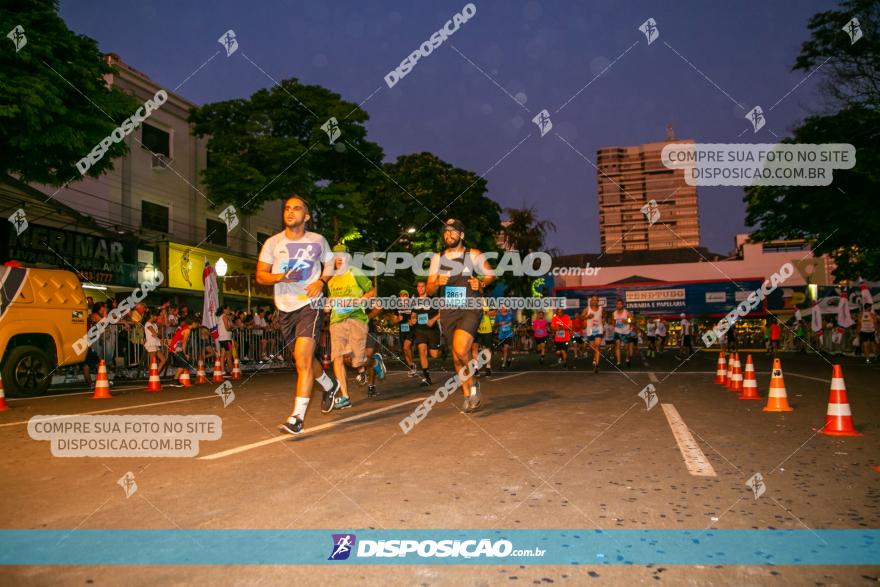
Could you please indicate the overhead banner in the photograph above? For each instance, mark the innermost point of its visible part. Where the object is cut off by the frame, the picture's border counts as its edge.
(712, 298)
(183, 267)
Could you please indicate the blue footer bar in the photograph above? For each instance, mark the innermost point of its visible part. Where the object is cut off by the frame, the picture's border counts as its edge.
(461, 547)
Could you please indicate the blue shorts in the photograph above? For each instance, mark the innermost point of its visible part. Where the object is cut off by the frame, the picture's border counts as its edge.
(592, 337)
(624, 338)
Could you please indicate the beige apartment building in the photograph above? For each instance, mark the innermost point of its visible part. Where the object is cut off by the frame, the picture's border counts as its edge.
(628, 178)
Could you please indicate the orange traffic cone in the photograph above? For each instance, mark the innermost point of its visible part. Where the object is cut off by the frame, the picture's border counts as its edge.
(721, 371)
(750, 384)
(102, 383)
(838, 418)
(236, 371)
(730, 364)
(736, 378)
(153, 384)
(184, 379)
(201, 377)
(217, 376)
(777, 399)
(3, 405)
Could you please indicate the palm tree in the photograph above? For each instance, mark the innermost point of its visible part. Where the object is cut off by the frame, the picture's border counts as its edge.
(525, 233)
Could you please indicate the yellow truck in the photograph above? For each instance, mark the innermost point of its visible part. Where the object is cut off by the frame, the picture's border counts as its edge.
(42, 314)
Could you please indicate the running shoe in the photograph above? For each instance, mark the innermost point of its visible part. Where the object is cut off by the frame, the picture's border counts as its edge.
(327, 402)
(342, 402)
(627, 363)
(379, 367)
(293, 425)
(595, 367)
(361, 378)
(412, 371)
(371, 391)
(473, 401)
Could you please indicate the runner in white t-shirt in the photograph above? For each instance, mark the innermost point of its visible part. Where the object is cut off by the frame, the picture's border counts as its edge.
(299, 264)
(687, 345)
(623, 334)
(594, 327)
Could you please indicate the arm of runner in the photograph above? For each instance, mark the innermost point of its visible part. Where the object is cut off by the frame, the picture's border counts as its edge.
(435, 280)
(485, 276)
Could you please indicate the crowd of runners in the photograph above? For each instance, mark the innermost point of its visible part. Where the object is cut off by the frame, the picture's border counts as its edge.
(310, 280)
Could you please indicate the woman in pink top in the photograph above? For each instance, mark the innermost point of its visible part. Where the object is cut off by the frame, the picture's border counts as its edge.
(539, 331)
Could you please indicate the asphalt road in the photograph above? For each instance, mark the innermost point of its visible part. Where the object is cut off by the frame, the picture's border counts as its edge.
(551, 448)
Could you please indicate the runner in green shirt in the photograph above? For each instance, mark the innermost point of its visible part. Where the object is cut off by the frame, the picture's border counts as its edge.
(348, 325)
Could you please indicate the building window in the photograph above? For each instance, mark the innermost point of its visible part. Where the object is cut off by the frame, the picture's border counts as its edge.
(154, 216)
(156, 140)
(215, 232)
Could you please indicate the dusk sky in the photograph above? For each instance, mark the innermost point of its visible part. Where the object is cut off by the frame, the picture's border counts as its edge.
(546, 51)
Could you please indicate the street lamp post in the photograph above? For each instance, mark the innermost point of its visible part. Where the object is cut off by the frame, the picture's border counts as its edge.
(220, 268)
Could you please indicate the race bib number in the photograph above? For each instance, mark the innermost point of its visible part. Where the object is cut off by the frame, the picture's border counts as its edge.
(422, 319)
(455, 296)
(560, 334)
(404, 327)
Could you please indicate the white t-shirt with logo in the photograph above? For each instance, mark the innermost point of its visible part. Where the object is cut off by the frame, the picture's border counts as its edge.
(301, 259)
(621, 321)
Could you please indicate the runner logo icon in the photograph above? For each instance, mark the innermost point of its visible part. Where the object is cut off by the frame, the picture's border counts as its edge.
(343, 544)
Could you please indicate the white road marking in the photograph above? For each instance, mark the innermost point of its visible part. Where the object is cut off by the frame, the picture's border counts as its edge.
(787, 373)
(507, 376)
(279, 438)
(696, 462)
(652, 377)
(22, 399)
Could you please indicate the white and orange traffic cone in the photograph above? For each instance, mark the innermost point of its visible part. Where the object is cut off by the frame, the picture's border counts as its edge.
(217, 376)
(201, 376)
(750, 384)
(736, 378)
(838, 418)
(153, 384)
(721, 370)
(777, 398)
(730, 364)
(236, 370)
(184, 378)
(3, 405)
(102, 383)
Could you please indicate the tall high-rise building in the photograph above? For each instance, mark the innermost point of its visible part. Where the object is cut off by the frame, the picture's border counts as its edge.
(628, 179)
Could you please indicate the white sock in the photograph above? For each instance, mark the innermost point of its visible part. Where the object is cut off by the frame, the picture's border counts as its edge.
(300, 405)
(324, 381)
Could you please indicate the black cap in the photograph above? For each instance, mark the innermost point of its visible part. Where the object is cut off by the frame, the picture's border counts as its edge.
(453, 224)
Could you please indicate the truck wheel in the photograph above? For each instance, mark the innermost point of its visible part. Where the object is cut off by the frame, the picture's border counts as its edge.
(26, 371)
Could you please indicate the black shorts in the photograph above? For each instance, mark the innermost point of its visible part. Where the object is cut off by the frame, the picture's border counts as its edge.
(561, 345)
(687, 340)
(578, 340)
(484, 340)
(452, 320)
(408, 335)
(303, 323)
(428, 336)
(866, 337)
(178, 361)
(92, 359)
(226, 345)
(540, 340)
(373, 341)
